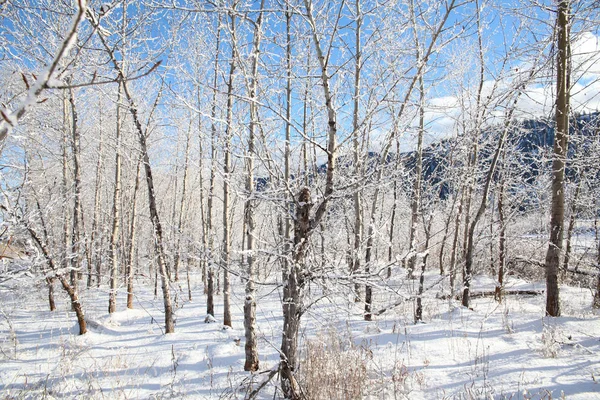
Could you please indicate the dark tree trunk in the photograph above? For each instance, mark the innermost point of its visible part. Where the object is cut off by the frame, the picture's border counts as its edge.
(596, 301)
(50, 283)
(292, 296)
(501, 244)
(561, 133)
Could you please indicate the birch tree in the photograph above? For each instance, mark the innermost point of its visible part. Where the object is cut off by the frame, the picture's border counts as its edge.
(226, 249)
(251, 363)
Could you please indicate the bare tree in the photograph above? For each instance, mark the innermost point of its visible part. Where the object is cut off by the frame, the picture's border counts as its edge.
(154, 216)
(304, 226)
(227, 169)
(210, 303)
(95, 253)
(561, 134)
(75, 257)
(130, 273)
(75, 303)
(116, 217)
(251, 363)
(357, 197)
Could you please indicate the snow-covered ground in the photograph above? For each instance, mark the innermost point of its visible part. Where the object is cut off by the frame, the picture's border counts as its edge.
(494, 351)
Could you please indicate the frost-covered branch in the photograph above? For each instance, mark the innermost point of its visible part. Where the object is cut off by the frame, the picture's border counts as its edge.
(9, 120)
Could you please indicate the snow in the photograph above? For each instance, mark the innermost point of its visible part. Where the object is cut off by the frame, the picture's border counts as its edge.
(494, 351)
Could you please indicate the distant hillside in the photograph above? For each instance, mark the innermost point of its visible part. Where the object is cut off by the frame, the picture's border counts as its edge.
(529, 146)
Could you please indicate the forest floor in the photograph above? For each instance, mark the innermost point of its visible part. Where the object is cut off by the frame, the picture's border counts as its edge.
(494, 351)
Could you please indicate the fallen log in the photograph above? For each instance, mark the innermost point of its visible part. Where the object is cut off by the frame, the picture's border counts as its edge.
(492, 293)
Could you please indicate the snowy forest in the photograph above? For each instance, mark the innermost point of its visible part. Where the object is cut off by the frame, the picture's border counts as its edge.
(300, 199)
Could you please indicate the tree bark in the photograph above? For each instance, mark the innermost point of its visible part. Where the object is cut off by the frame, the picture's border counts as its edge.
(51, 302)
(501, 239)
(210, 302)
(561, 134)
(75, 231)
(415, 203)
(368, 316)
(596, 301)
(95, 257)
(251, 347)
(181, 215)
(357, 197)
(419, 308)
(66, 246)
(116, 217)
(455, 243)
(292, 297)
(132, 238)
(227, 171)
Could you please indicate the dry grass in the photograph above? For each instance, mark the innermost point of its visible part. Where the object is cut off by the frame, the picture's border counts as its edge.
(333, 367)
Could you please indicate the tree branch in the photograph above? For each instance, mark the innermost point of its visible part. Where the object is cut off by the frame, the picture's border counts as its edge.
(11, 120)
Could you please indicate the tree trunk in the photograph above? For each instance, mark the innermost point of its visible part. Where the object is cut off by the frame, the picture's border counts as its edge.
(415, 204)
(357, 197)
(66, 247)
(94, 258)
(596, 301)
(227, 173)
(132, 239)
(368, 259)
(294, 282)
(203, 259)
(419, 308)
(501, 241)
(51, 303)
(392, 225)
(174, 277)
(457, 220)
(75, 232)
(181, 215)
(291, 315)
(162, 267)
(116, 217)
(210, 302)
(561, 134)
(251, 347)
(292, 297)
(445, 237)
(571, 227)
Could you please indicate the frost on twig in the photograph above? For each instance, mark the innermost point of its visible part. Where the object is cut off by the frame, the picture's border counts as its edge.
(10, 119)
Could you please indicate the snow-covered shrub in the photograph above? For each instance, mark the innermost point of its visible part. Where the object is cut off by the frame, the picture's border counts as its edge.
(551, 341)
(333, 367)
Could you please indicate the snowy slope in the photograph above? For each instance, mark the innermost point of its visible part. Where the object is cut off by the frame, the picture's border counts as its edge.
(494, 351)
